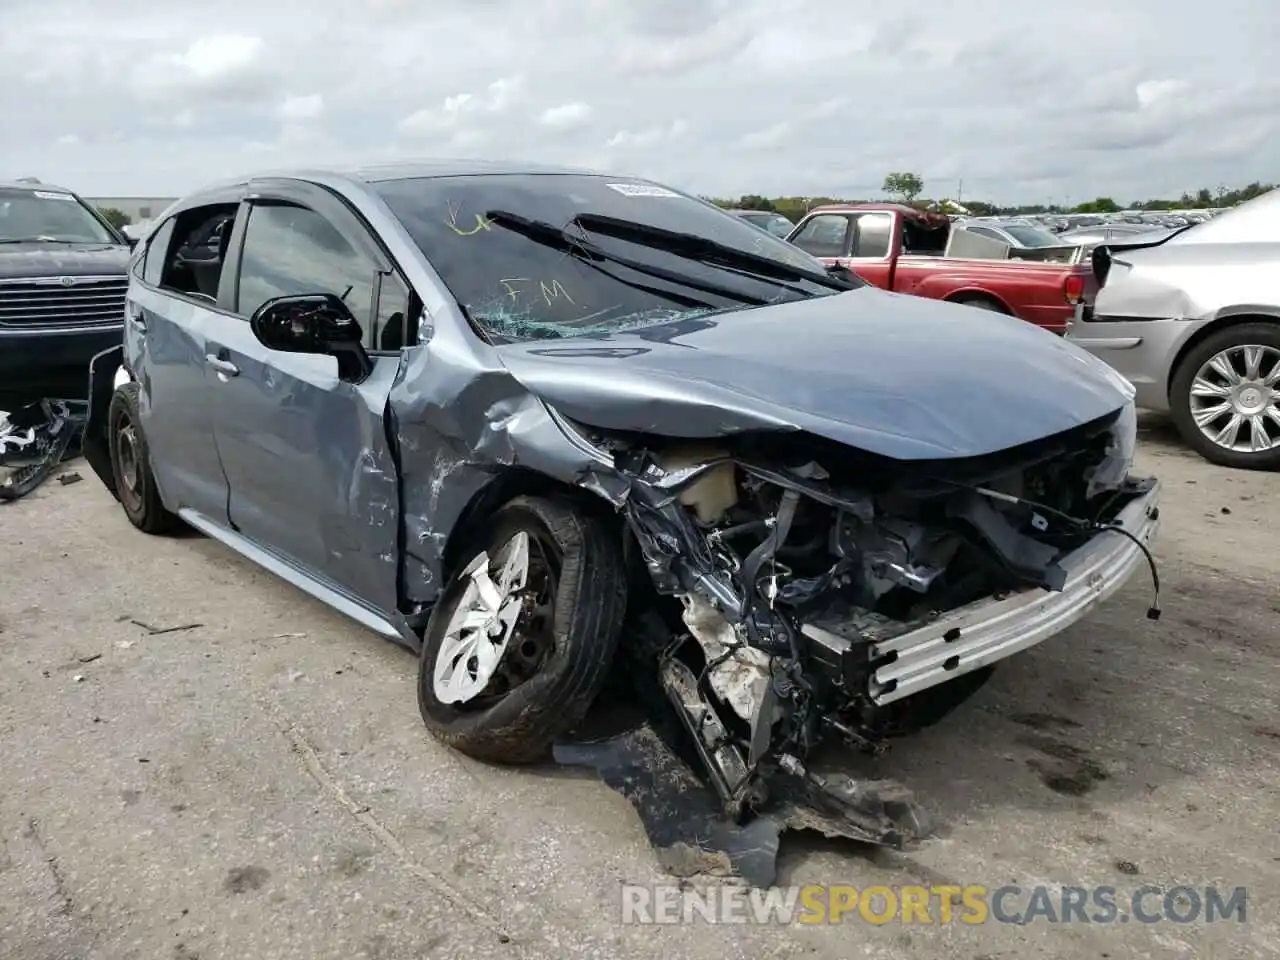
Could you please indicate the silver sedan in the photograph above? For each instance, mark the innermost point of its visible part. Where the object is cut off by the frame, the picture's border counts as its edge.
(1193, 322)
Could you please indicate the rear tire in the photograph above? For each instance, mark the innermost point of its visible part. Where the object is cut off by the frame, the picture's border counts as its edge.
(131, 465)
(1232, 346)
(503, 693)
(982, 303)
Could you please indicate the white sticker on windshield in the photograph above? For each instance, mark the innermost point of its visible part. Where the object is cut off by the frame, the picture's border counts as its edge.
(642, 190)
(45, 195)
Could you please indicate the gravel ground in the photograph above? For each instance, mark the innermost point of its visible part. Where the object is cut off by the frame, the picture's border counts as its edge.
(260, 785)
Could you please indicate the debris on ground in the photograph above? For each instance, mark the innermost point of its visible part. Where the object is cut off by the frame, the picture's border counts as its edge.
(156, 631)
(684, 820)
(34, 440)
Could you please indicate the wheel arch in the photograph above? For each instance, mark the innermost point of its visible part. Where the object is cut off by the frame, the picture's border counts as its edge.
(977, 294)
(507, 484)
(1225, 320)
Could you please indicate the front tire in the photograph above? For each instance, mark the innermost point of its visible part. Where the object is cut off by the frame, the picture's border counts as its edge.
(523, 636)
(131, 465)
(1225, 397)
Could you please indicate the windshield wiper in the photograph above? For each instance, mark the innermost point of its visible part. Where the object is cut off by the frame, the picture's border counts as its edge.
(706, 250)
(548, 234)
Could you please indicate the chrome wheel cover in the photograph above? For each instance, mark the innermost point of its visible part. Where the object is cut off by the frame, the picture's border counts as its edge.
(1235, 400)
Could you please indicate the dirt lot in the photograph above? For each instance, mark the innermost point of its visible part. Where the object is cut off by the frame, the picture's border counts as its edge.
(260, 786)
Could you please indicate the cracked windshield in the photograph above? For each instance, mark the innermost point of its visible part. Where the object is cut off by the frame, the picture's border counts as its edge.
(539, 257)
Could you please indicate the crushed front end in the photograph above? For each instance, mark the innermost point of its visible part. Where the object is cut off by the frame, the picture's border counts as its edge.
(817, 592)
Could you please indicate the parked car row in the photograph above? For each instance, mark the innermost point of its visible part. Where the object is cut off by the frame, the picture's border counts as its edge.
(1191, 317)
(62, 293)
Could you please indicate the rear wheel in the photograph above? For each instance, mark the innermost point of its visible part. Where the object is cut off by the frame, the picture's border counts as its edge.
(131, 465)
(522, 639)
(1225, 397)
(982, 303)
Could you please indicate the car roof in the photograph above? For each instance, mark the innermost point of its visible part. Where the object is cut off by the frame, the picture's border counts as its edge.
(909, 213)
(364, 175)
(32, 186)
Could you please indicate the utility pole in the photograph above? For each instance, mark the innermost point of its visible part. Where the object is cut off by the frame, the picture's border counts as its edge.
(960, 192)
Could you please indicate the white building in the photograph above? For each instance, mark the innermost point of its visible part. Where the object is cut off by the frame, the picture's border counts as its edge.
(135, 208)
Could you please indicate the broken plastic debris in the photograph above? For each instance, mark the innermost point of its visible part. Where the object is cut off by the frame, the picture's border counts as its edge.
(682, 815)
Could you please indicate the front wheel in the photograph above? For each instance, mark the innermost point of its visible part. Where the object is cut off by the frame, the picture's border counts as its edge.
(523, 636)
(1225, 397)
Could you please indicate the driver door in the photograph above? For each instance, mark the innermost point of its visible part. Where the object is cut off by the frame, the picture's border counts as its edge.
(306, 456)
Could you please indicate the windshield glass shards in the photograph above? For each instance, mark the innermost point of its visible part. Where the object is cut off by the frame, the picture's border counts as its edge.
(549, 256)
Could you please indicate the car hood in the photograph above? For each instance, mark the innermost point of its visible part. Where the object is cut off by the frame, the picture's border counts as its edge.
(899, 376)
(20, 261)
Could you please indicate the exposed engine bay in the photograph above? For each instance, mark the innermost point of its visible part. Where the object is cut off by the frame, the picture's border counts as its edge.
(794, 564)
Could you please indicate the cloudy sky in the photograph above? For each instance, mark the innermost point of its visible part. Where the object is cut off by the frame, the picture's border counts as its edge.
(1023, 100)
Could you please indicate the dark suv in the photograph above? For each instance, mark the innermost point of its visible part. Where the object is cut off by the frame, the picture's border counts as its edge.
(63, 278)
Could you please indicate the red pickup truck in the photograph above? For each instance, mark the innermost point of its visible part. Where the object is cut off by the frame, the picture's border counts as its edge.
(911, 251)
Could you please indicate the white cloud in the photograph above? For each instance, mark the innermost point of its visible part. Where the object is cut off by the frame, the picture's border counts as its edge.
(649, 136)
(774, 96)
(459, 108)
(773, 135)
(217, 66)
(567, 116)
(1153, 91)
(297, 108)
(211, 57)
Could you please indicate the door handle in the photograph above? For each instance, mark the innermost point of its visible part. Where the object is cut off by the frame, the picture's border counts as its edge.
(134, 315)
(225, 367)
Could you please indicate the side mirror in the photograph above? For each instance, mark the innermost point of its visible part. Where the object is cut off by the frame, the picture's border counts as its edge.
(131, 241)
(314, 323)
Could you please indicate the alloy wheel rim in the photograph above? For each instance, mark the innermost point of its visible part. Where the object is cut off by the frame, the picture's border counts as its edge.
(1235, 398)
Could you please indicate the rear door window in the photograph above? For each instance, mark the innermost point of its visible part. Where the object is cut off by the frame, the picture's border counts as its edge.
(875, 232)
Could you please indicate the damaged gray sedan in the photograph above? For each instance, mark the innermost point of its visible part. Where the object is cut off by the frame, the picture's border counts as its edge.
(506, 416)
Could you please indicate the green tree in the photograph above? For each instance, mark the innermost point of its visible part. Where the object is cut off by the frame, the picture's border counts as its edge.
(753, 201)
(117, 218)
(1100, 205)
(905, 186)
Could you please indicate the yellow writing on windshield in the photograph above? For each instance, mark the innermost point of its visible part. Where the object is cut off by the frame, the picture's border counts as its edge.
(553, 291)
(550, 291)
(455, 209)
(510, 285)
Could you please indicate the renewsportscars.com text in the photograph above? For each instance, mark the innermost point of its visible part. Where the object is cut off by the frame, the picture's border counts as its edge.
(970, 904)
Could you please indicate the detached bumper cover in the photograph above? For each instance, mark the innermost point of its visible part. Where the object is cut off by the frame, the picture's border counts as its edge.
(986, 631)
